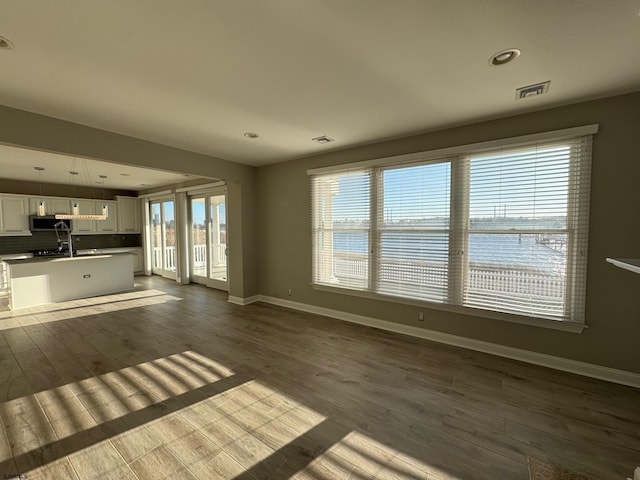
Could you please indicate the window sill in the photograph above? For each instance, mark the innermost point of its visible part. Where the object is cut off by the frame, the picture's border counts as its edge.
(566, 326)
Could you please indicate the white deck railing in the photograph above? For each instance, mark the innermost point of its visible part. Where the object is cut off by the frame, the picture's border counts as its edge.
(169, 258)
(481, 279)
(199, 256)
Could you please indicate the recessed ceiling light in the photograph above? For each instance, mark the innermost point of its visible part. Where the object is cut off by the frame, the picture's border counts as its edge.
(5, 43)
(250, 135)
(505, 56)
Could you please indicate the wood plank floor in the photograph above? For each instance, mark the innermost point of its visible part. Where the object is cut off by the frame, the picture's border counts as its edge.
(171, 381)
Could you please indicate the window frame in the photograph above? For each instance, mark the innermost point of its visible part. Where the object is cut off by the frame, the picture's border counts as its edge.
(378, 229)
(459, 161)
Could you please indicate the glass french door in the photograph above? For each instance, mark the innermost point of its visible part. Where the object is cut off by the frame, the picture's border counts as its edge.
(163, 238)
(209, 240)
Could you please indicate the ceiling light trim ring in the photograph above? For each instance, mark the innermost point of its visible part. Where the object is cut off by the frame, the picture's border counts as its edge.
(504, 56)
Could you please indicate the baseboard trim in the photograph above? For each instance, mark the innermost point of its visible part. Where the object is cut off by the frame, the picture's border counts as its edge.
(243, 300)
(572, 366)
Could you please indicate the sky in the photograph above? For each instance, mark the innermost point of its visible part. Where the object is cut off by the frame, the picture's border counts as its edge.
(530, 184)
(198, 212)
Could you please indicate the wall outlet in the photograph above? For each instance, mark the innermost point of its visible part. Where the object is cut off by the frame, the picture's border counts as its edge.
(289, 292)
(421, 316)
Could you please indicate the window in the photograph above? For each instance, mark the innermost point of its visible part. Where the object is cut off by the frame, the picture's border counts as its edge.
(500, 227)
(341, 219)
(413, 231)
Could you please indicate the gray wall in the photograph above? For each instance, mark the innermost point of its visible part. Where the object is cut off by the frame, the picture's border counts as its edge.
(271, 249)
(26, 129)
(613, 295)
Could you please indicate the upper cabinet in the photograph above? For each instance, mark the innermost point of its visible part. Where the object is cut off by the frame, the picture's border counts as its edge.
(94, 207)
(85, 207)
(14, 215)
(123, 214)
(128, 215)
(52, 205)
(110, 225)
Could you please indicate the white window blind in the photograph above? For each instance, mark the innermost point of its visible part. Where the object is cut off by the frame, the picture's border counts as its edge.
(528, 210)
(340, 222)
(500, 228)
(413, 231)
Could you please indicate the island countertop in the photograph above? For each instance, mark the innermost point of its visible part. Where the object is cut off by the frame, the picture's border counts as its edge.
(32, 259)
(83, 252)
(41, 280)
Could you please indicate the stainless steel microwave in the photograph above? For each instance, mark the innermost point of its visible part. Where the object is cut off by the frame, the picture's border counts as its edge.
(45, 223)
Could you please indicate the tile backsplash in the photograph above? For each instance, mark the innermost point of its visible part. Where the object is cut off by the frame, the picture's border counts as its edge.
(47, 240)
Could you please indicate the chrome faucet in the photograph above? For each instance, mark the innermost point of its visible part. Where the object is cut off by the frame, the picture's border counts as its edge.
(69, 240)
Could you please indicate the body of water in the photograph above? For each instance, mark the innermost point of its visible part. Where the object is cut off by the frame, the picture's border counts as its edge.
(520, 250)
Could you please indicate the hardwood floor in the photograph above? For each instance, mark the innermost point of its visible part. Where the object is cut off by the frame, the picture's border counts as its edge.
(173, 381)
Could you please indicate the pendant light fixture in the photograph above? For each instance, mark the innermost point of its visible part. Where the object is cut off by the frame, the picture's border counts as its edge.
(75, 208)
(105, 207)
(41, 208)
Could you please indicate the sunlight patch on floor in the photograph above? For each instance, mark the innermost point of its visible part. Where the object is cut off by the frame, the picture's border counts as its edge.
(82, 414)
(184, 415)
(83, 307)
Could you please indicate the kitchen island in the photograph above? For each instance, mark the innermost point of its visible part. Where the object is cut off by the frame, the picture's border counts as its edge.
(39, 280)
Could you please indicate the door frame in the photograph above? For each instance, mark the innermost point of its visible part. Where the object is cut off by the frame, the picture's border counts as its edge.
(162, 271)
(206, 279)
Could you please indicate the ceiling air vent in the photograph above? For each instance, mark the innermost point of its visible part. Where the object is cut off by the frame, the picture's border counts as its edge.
(322, 139)
(532, 90)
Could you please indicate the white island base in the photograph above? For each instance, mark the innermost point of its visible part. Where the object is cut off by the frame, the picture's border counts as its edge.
(39, 281)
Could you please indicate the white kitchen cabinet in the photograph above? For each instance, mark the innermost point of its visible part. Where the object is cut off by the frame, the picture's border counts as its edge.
(52, 205)
(85, 207)
(128, 215)
(14, 215)
(94, 207)
(138, 260)
(4, 274)
(110, 225)
(4, 282)
(15, 211)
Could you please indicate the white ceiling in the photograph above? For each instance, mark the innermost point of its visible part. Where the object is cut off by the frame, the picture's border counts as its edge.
(19, 164)
(197, 74)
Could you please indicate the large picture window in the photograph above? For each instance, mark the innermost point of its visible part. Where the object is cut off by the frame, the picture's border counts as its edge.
(499, 227)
